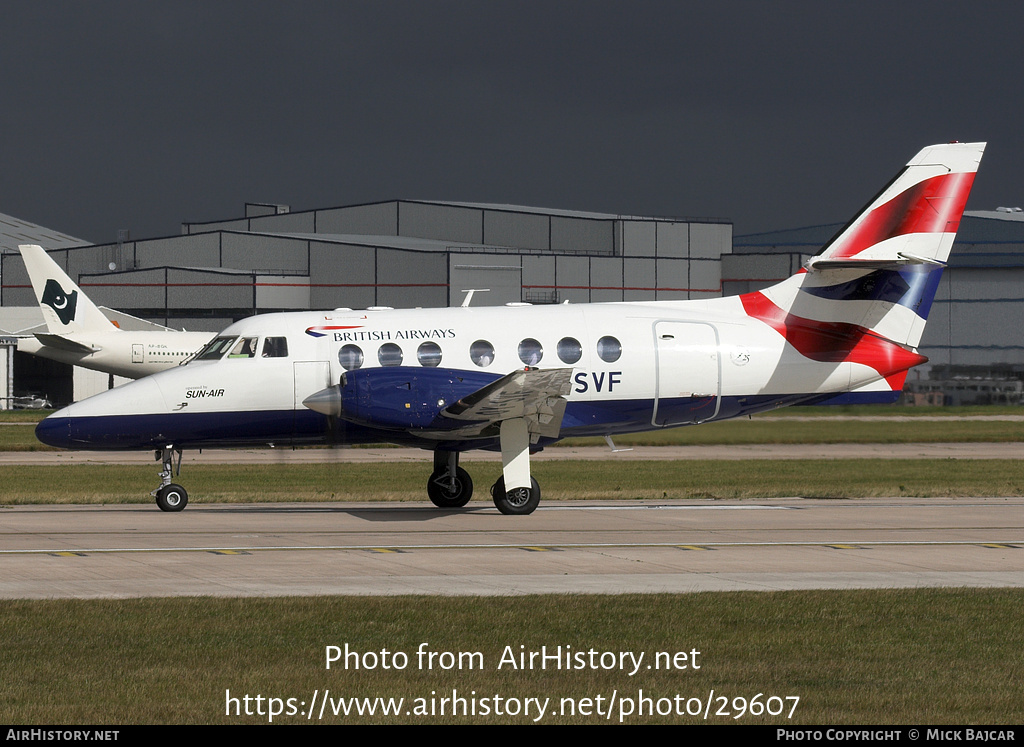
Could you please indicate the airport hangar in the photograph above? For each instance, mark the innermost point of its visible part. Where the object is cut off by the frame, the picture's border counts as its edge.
(410, 253)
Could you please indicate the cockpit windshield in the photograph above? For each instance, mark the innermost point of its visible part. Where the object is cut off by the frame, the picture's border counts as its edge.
(215, 348)
(246, 348)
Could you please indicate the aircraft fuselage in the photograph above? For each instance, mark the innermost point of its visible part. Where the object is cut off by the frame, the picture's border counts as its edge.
(635, 367)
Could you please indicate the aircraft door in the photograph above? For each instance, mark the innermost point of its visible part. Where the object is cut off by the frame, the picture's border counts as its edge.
(310, 377)
(138, 356)
(689, 380)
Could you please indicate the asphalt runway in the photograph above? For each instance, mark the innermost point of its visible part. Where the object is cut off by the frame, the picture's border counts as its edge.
(564, 547)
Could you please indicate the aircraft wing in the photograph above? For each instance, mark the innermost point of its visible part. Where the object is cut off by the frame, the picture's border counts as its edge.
(534, 394)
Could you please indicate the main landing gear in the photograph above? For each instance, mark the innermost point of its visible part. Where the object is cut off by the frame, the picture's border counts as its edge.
(518, 501)
(170, 497)
(450, 486)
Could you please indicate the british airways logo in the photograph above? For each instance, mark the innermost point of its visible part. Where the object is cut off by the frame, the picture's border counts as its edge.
(346, 334)
(324, 330)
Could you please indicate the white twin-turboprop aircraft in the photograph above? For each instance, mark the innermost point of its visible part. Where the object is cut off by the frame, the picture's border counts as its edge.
(844, 329)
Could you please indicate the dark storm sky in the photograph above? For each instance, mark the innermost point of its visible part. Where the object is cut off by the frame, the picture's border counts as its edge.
(141, 115)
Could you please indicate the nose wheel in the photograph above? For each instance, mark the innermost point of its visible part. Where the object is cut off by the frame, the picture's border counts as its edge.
(169, 496)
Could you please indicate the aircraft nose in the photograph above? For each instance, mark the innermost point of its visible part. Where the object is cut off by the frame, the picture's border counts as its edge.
(55, 429)
(128, 417)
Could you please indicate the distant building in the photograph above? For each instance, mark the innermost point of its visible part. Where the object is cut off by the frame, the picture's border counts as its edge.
(400, 253)
(412, 253)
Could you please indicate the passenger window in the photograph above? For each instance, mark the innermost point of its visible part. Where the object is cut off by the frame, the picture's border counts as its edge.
(389, 354)
(569, 350)
(481, 353)
(350, 357)
(609, 349)
(275, 347)
(429, 354)
(530, 351)
(246, 348)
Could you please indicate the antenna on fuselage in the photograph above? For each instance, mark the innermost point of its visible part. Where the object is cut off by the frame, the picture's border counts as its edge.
(469, 295)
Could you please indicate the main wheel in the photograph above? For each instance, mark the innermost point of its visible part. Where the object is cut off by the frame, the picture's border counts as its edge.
(444, 494)
(171, 498)
(519, 502)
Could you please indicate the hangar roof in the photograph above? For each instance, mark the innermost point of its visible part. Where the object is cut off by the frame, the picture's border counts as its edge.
(20, 320)
(15, 231)
(393, 242)
(980, 230)
(568, 213)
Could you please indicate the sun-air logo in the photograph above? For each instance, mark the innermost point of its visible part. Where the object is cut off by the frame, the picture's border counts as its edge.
(203, 392)
(62, 303)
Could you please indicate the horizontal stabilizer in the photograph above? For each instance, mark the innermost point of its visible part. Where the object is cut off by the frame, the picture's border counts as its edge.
(63, 343)
(903, 260)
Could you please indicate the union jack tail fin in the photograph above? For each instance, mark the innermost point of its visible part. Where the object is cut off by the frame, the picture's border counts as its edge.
(866, 295)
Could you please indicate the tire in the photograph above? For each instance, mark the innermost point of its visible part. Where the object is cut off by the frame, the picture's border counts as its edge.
(438, 489)
(172, 498)
(518, 502)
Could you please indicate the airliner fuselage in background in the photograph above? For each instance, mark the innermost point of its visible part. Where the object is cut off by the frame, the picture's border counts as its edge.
(77, 332)
(844, 329)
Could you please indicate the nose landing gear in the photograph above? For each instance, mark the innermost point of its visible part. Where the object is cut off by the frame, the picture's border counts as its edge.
(169, 496)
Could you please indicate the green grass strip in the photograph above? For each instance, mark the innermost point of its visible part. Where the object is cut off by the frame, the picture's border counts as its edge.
(857, 657)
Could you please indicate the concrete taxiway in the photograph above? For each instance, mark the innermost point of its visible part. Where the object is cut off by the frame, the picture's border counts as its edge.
(565, 547)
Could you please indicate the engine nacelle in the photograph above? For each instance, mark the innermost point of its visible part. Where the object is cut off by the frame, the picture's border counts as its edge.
(405, 397)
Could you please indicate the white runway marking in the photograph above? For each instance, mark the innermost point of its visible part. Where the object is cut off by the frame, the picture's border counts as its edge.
(666, 508)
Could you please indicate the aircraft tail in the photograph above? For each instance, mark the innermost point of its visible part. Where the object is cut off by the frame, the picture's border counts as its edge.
(866, 295)
(66, 309)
